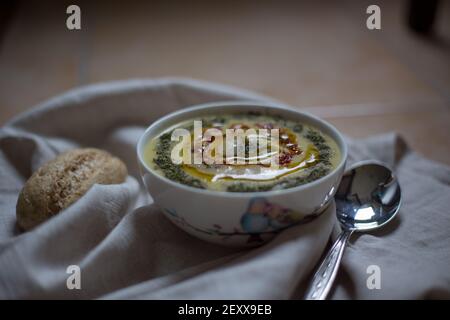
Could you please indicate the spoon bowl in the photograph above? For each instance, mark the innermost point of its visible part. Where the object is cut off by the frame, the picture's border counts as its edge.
(368, 197)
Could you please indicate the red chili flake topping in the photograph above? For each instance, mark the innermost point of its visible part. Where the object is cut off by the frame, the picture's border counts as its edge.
(293, 148)
(285, 158)
(239, 126)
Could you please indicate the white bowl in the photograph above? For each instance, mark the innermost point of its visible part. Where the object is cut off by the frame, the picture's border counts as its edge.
(221, 217)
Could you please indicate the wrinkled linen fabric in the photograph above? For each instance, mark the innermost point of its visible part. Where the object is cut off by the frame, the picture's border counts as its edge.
(126, 248)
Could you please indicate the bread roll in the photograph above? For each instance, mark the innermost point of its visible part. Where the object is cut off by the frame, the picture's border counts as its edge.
(64, 180)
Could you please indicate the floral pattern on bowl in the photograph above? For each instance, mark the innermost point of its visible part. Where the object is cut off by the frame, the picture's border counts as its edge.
(261, 218)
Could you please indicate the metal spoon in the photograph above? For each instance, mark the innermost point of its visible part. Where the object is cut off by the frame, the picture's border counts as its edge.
(368, 197)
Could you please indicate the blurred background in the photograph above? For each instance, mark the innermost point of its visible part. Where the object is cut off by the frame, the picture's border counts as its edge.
(315, 55)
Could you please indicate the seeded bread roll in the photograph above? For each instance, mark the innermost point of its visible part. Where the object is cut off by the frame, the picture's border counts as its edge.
(62, 181)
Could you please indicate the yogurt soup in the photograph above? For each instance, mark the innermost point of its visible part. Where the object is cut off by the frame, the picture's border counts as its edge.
(304, 154)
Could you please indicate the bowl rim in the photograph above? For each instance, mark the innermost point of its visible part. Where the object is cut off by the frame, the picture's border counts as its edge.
(236, 103)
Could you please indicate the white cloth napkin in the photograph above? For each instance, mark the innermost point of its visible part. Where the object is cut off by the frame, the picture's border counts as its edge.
(126, 249)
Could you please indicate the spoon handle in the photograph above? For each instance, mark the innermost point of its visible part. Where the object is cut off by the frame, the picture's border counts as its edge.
(324, 277)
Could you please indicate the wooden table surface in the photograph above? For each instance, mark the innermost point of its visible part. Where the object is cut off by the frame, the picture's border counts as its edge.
(317, 56)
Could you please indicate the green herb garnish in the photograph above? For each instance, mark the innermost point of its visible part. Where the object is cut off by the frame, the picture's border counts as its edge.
(172, 171)
(319, 142)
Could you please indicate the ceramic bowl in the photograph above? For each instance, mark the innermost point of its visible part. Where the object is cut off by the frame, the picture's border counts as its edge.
(224, 217)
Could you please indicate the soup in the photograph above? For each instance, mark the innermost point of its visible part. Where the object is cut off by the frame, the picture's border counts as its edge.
(273, 153)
